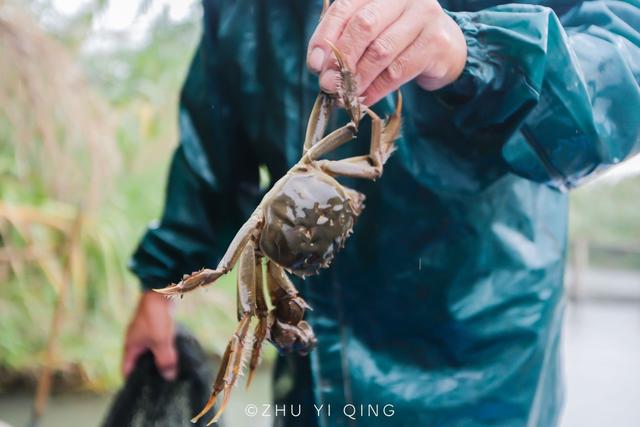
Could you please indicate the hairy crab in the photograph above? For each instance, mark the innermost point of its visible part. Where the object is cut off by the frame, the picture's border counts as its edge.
(299, 225)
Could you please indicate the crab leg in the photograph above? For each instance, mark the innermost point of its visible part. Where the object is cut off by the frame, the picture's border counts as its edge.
(281, 287)
(382, 145)
(288, 332)
(330, 142)
(207, 276)
(318, 120)
(219, 382)
(391, 130)
(260, 331)
(232, 361)
(225, 372)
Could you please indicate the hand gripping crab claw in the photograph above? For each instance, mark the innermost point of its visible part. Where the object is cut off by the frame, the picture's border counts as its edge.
(298, 227)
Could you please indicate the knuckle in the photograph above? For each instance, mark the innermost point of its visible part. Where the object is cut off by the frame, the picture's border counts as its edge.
(439, 41)
(383, 81)
(397, 70)
(437, 70)
(340, 9)
(365, 20)
(376, 89)
(421, 44)
(380, 50)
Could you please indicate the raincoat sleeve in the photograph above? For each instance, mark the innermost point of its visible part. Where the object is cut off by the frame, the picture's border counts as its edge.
(561, 95)
(212, 180)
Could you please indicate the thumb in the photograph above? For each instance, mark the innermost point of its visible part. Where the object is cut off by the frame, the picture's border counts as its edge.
(131, 354)
(166, 360)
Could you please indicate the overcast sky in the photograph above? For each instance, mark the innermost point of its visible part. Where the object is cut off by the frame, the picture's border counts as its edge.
(122, 17)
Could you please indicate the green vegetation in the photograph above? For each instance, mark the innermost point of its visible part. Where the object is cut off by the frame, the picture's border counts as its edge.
(607, 215)
(88, 136)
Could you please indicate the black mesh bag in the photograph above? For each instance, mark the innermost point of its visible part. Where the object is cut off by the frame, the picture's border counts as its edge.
(147, 400)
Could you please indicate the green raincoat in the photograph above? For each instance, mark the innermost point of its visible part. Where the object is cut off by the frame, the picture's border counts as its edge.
(447, 301)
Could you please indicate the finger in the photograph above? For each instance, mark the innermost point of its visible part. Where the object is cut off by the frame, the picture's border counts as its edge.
(363, 27)
(166, 360)
(329, 28)
(386, 47)
(130, 357)
(406, 66)
(329, 81)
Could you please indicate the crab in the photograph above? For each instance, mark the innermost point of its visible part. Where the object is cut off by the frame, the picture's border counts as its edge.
(298, 227)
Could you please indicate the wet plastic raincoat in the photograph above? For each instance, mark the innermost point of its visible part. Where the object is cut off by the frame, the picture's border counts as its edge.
(447, 302)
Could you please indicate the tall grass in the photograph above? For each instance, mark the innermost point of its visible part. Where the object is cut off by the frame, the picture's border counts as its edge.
(94, 148)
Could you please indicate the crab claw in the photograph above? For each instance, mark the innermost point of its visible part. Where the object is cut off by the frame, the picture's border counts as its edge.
(192, 281)
(291, 309)
(292, 338)
(347, 87)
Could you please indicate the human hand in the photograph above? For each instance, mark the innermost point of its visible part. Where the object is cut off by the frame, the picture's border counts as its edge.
(387, 44)
(152, 328)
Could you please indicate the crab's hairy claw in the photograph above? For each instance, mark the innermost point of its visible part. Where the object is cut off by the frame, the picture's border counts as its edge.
(287, 331)
(292, 338)
(279, 282)
(347, 87)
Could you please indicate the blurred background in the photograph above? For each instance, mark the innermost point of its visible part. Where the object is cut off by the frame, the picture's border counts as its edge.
(88, 97)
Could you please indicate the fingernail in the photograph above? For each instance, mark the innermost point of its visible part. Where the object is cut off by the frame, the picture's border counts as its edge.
(170, 374)
(316, 59)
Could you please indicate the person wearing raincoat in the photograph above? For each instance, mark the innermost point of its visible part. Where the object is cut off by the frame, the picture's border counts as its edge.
(447, 302)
